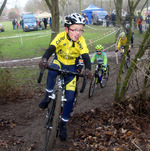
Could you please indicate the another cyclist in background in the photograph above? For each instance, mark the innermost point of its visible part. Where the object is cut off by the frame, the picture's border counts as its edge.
(100, 56)
(122, 43)
(67, 46)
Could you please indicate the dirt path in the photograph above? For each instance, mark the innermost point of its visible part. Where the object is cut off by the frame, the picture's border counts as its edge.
(23, 122)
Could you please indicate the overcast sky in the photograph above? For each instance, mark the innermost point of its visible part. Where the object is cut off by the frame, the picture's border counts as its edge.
(12, 3)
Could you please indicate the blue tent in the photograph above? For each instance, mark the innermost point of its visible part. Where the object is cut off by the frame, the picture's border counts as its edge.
(88, 12)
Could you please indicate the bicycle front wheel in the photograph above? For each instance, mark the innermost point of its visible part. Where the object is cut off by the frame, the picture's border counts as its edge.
(55, 122)
(128, 62)
(92, 85)
(48, 124)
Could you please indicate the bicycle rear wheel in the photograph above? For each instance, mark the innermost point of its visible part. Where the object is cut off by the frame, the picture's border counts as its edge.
(55, 122)
(92, 85)
(48, 124)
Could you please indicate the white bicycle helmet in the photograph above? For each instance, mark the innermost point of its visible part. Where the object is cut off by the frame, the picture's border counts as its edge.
(122, 34)
(74, 18)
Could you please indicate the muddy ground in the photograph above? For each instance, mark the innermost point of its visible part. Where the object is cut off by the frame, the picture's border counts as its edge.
(22, 123)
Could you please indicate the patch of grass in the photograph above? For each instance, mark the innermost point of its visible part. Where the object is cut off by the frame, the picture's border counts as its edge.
(31, 44)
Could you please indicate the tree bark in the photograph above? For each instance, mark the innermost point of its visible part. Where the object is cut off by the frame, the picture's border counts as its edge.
(132, 67)
(2, 7)
(118, 5)
(53, 6)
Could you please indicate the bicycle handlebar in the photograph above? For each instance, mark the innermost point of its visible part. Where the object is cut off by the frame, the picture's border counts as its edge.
(41, 75)
(99, 64)
(42, 72)
(65, 72)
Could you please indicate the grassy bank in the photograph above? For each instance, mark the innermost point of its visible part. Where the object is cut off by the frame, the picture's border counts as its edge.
(16, 44)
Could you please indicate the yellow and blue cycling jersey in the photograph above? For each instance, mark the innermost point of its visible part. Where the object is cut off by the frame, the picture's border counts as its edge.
(67, 50)
(122, 42)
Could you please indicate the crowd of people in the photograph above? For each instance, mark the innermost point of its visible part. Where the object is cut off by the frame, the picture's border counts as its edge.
(20, 24)
(17, 24)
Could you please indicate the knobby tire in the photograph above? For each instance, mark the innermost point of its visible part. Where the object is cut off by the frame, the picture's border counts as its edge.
(53, 134)
(128, 63)
(49, 122)
(104, 81)
(92, 86)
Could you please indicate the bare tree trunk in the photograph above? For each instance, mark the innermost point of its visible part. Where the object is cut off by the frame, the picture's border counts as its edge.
(119, 96)
(53, 6)
(132, 67)
(2, 7)
(118, 5)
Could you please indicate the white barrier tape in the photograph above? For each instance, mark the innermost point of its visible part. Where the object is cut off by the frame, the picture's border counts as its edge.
(109, 47)
(22, 35)
(100, 29)
(15, 67)
(19, 60)
(103, 36)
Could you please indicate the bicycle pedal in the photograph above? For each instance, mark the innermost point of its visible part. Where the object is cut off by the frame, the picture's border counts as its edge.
(63, 99)
(53, 96)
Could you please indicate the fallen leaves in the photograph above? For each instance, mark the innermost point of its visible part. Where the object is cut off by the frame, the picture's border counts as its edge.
(109, 130)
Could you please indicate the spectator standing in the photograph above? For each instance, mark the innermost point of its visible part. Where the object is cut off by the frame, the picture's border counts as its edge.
(45, 23)
(14, 24)
(148, 19)
(17, 24)
(140, 22)
(127, 19)
(20, 23)
(113, 19)
(108, 19)
(50, 22)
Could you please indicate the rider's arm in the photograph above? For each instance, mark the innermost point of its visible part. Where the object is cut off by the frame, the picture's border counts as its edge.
(49, 52)
(119, 44)
(105, 60)
(93, 59)
(86, 59)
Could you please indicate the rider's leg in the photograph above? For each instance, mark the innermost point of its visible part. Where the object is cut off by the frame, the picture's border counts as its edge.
(105, 71)
(70, 82)
(51, 80)
(128, 54)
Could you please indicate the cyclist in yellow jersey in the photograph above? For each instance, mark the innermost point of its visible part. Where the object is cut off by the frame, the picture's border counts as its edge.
(67, 46)
(122, 43)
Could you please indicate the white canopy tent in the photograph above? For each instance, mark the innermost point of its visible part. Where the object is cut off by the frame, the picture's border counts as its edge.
(43, 15)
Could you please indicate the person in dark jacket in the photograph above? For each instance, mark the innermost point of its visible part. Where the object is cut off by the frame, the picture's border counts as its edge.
(45, 23)
(14, 24)
(108, 19)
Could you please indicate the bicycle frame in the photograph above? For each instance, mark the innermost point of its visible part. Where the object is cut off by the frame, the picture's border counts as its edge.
(98, 78)
(56, 105)
(127, 61)
(98, 69)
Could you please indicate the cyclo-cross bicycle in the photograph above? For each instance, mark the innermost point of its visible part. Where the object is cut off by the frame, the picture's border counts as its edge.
(55, 108)
(127, 59)
(98, 77)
